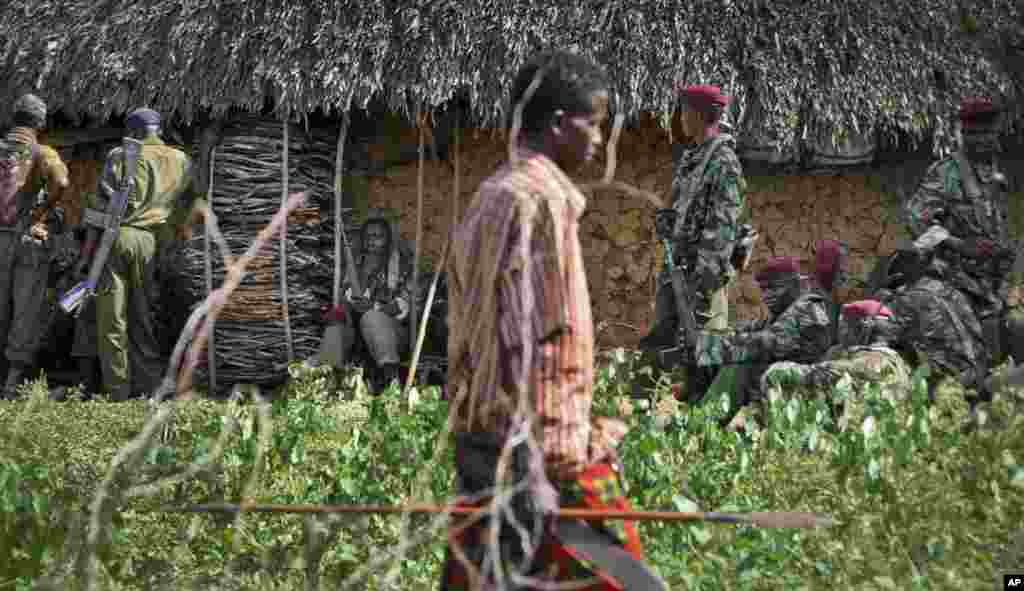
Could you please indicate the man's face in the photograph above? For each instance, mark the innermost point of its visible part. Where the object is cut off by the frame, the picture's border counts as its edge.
(852, 332)
(376, 238)
(778, 293)
(980, 141)
(578, 136)
(691, 121)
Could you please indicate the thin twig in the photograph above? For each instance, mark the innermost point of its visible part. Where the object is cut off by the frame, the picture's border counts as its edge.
(211, 352)
(284, 242)
(424, 321)
(339, 163)
(414, 296)
(609, 170)
(629, 190)
(517, 114)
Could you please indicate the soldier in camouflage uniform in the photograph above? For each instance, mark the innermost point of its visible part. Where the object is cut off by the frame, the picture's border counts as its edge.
(24, 238)
(799, 328)
(937, 324)
(964, 199)
(704, 223)
(868, 331)
(164, 202)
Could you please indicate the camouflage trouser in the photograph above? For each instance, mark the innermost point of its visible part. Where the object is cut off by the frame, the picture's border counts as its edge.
(712, 309)
(869, 365)
(24, 273)
(712, 312)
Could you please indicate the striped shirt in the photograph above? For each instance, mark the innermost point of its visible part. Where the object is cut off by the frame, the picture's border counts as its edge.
(517, 288)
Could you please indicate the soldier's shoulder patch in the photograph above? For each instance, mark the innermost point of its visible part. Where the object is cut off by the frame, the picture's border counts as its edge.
(943, 168)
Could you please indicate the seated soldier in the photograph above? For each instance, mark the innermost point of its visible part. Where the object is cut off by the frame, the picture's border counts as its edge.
(867, 331)
(937, 322)
(381, 310)
(798, 328)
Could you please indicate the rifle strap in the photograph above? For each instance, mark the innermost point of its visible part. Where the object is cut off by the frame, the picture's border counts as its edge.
(967, 179)
(696, 176)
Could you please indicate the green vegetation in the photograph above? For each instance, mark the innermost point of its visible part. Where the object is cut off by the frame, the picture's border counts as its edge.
(919, 504)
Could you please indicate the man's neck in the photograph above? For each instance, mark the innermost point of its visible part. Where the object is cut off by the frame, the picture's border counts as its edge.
(538, 144)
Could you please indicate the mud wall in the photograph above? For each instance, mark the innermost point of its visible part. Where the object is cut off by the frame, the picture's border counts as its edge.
(791, 210)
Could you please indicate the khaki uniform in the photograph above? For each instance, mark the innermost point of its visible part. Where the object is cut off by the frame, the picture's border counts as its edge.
(162, 198)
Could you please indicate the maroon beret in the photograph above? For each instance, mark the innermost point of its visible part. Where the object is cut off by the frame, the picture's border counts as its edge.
(702, 96)
(778, 266)
(865, 309)
(977, 110)
(826, 255)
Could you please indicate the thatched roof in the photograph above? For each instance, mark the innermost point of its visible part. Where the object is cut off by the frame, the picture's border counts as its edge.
(871, 66)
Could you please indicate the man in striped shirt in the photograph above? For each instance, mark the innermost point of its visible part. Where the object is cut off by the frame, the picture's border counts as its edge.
(521, 341)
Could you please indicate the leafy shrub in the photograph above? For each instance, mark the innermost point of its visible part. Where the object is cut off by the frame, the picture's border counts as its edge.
(918, 504)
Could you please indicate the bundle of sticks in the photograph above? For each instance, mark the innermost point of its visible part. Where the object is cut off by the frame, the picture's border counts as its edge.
(253, 337)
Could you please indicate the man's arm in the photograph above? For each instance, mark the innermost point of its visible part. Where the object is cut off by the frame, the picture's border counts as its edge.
(927, 205)
(718, 237)
(802, 332)
(190, 206)
(54, 175)
(399, 305)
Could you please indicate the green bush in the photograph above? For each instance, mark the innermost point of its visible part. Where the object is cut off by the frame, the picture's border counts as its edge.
(917, 503)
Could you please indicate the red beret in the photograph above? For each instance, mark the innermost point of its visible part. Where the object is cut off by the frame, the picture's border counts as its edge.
(778, 266)
(865, 309)
(977, 110)
(826, 255)
(702, 96)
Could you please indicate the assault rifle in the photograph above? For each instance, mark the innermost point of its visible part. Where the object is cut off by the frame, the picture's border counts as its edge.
(109, 222)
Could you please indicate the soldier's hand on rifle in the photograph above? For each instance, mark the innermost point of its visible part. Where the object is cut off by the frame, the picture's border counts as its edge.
(972, 247)
(665, 223)
(361, 305)
(391, 309)
(39, 231)
(1004, 260)
(81, 270)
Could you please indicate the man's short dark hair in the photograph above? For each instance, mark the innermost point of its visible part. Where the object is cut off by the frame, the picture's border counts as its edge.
(569, 82)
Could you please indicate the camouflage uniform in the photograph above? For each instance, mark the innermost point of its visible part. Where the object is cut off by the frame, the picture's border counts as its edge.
(941, 199)
(938, 324)
(24, 258)
(162, 198)
(802, 331)
(968, 196)
(863, 353)
(710, 209)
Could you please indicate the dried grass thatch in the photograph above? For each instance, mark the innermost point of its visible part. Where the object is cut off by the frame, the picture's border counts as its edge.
(807, 67)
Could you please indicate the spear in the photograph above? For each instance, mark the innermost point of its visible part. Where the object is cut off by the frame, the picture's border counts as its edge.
(768, 520)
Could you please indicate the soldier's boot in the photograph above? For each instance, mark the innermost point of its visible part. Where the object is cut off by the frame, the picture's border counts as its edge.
(87, 374)
(15, 375)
